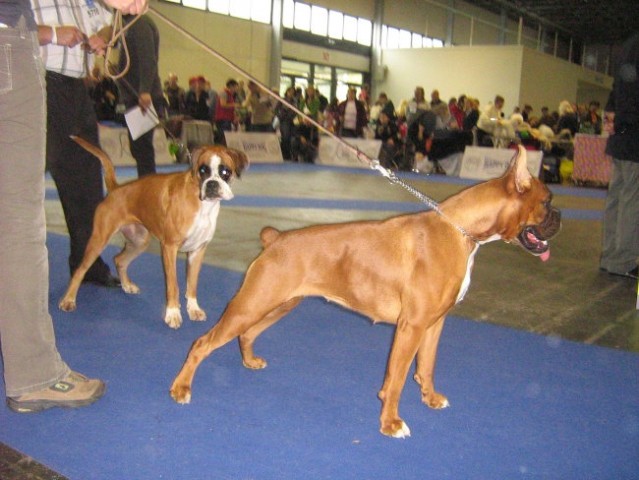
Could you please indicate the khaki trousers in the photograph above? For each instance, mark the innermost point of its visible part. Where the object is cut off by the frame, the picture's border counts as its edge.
(30, 357)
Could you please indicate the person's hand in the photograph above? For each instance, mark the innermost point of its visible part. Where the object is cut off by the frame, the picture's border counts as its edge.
(69, 36)
(144, 101)
(96, 44)
(129, 7)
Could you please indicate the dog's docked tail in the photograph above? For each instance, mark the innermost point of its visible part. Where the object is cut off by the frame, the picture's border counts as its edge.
(107, 164)
(268, 236)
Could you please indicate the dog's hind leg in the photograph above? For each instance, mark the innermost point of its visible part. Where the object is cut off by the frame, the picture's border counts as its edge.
(407, 340)
(137, 238)
(236, 320)
(99, 238)
(426, 357)
(193, 267)
(247, 339)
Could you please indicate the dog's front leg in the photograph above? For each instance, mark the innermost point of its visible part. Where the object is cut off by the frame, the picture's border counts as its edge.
(172, 316)
(405, 344)
(193, 267)
(426, 359)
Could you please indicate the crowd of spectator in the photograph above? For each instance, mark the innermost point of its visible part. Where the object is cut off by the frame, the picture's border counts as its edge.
(416, 132)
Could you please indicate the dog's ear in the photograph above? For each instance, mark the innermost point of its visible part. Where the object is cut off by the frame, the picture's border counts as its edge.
(240, 161)
(519, 172)
(195, 156)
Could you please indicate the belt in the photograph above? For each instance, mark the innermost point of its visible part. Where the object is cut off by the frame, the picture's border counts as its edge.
(60, 77)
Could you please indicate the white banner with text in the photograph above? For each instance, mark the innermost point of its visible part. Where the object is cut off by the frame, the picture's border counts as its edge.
(484, 163)
(333, 152)
(258, 147)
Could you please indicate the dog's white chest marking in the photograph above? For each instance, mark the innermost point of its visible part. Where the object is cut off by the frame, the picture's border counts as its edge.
(466, 282)
(203, 227)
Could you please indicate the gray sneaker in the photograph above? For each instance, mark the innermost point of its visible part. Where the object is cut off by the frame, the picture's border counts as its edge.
(74, 391)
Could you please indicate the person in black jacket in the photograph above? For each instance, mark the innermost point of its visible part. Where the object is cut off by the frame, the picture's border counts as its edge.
(387, 131)
(621, 217)
(141, 86)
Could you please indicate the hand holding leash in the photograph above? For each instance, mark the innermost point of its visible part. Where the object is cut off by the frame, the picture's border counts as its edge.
(67, 36)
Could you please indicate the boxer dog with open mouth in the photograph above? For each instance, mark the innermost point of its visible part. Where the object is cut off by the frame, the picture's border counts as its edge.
(408, 270)
(180, 209)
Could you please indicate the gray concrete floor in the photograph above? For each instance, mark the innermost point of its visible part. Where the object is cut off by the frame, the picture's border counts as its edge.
(567, 297)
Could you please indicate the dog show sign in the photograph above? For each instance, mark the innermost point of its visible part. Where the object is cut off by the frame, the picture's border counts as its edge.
(483, 163)
(258, 147)
(334, 152)
(114, 140)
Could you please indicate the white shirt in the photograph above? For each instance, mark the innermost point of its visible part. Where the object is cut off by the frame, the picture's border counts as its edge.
(350, 115)
(90, 16)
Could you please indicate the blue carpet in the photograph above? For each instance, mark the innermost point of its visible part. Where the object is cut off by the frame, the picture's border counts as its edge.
(523, 406)
(261, 201)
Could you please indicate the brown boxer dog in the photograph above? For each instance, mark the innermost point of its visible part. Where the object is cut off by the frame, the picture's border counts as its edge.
(408, 270)
(180, 209)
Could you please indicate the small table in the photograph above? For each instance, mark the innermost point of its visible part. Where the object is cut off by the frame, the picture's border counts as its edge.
(591, 164)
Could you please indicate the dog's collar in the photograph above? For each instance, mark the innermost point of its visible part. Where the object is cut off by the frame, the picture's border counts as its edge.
(459, 228)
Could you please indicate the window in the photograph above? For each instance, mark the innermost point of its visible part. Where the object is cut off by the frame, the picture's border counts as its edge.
(288, 13)
(346, 79)
(350, 28)
(364, 32)
(417, 41)
(302, 19)
(405, 39)
(396, 38)
(326, 23)
(261, 11)
(392, 38)
(199, 4)
(219, 6)
(240, 9)
(335, 25)
(295, 68)
(322, 79)
(319, 21)
(256, 10)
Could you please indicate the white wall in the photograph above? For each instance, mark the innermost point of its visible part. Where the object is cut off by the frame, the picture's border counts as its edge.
(481, 72)
(521, 75)
(547, 81)
(245, 43)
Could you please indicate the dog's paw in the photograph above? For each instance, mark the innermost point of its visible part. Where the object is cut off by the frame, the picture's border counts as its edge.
(181, 395)
(436, 401)
(195, 312)
(255, 363)
(396, 429)
(173, 317)
(67, 305)
(130, 287)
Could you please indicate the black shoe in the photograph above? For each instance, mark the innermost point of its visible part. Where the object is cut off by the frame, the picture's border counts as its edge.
(634, 273)
(108, 281)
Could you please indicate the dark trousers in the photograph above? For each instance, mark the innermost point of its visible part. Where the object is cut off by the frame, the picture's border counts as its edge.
(221, 127)
(77, 173)
(143, 152)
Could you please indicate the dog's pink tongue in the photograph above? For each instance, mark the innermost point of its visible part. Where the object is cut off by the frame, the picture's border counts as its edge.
(545, 256)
